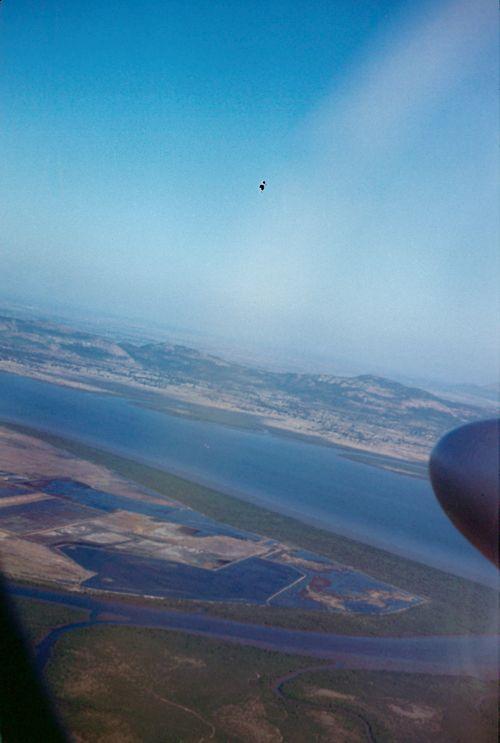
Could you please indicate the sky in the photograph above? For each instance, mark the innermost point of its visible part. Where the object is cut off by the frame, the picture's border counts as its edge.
(133, 138)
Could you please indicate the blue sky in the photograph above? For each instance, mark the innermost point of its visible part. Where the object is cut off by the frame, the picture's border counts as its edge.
(134, 136)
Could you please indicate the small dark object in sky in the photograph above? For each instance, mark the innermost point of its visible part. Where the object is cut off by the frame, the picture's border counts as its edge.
(262, 185)
(464, 469)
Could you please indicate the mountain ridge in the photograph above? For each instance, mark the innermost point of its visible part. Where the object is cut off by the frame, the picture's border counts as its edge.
(367, 411)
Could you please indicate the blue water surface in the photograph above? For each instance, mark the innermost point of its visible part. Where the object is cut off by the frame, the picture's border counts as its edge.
(313, 483)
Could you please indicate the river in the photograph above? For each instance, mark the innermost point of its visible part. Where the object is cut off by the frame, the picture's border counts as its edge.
(470, 655)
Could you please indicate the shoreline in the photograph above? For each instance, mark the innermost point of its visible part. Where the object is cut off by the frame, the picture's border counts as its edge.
(168, 404)
(450, 602)
(227, 491)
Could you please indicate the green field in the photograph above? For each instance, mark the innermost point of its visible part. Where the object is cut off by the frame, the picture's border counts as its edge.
(454, 605)
(126, 684)
(115, 684)
(415, 708)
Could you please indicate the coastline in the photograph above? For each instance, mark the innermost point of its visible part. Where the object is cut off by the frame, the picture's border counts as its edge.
(337, 490)
(105, 454)
(451, 601)
(167, 402)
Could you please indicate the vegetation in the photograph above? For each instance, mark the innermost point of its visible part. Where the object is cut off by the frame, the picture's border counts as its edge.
(177, 688)
(38, 618)
(185, 688)
(181, 687)
(415, 708)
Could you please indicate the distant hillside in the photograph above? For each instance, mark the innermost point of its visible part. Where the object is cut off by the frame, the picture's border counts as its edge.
(366, 412)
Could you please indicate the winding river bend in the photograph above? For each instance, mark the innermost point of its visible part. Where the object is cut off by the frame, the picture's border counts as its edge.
(456, 655)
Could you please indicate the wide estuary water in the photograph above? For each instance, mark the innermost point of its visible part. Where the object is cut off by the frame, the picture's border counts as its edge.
(313, 483)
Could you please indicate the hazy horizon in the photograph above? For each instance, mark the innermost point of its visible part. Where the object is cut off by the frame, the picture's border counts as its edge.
(141, 329)
(133, 144)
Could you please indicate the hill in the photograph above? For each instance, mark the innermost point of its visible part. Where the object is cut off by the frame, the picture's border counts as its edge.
(365, 412)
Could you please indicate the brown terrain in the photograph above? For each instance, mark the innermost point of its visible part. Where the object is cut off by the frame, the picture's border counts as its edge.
(28, 555)
(53, 505)
(367, 413)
